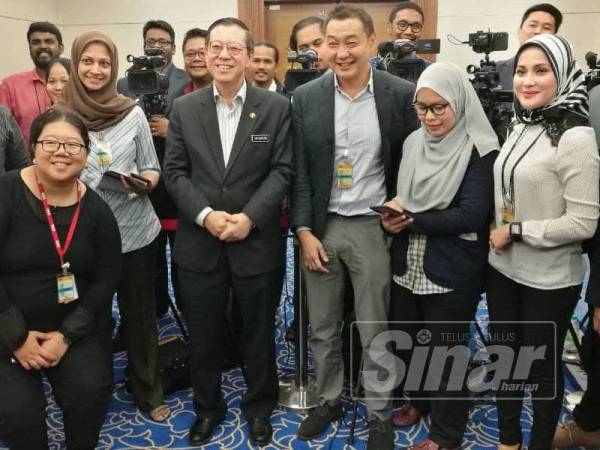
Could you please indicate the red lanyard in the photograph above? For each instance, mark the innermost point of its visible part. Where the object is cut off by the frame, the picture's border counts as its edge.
(60, 250)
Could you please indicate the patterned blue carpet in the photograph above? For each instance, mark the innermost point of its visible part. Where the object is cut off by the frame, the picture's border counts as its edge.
(126, 428)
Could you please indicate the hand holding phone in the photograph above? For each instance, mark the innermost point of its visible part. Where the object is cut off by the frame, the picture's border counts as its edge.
(385, 209)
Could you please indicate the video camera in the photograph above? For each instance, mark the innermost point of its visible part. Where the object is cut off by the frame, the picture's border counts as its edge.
(592, 78)
(294, 77)
(147, 83)
(497, 102)
(395, 57)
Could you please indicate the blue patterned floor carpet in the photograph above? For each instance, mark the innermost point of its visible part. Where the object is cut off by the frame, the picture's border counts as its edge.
(126, 428)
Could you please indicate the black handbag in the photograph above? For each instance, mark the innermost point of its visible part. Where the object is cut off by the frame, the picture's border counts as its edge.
(174, 358)
(173, 364)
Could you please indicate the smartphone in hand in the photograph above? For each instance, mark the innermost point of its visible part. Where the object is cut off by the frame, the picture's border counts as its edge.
(383, 209)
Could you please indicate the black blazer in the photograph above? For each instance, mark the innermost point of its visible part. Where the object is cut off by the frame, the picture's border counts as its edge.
(314, 141)
(255, 180)
(452, 261)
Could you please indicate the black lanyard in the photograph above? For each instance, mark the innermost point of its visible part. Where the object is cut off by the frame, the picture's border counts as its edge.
(508, 195)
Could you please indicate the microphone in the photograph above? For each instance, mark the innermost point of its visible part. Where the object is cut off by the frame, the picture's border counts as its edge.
(591, 59)
(404, 46)
(385, 47)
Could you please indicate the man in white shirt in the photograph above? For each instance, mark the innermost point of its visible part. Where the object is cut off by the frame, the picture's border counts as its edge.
(263, 65)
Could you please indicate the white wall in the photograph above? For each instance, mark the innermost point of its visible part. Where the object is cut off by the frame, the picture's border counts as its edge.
(15, 17)
(122, 20)
(581, 22)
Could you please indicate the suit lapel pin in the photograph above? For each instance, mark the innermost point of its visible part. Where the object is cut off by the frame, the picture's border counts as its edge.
(252, 115)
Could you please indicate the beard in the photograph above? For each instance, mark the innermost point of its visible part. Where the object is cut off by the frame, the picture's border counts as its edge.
(42, 58)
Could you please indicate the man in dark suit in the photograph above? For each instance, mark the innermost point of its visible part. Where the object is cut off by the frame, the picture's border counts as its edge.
(228, 166)
(349, 127)
(160, 34)
(537, 19)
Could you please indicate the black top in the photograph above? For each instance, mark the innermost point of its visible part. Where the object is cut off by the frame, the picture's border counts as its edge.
(451, 261)
(29, 265)
(13, 153)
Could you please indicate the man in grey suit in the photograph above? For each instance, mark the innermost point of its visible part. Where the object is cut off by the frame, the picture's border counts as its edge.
(349, 127)
(537, 19)
(228, 166)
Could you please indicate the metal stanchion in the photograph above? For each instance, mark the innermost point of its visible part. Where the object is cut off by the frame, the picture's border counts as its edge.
(298, 394)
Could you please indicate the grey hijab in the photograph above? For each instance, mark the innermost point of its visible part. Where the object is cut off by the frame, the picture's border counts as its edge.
(432, 168)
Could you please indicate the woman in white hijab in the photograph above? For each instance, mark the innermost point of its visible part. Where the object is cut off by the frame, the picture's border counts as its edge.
(444, 203)
(546, 204)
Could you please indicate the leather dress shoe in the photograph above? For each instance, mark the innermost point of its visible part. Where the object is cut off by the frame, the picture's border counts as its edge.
(260, 431)
(202, 430)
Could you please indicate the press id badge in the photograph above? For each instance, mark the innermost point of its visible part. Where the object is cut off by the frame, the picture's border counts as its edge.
(104, 153)
(66, 286)
(507, 215)
(344, 176)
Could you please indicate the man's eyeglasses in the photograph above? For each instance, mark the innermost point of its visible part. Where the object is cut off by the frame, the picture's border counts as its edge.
(192, 54)
(402, 25)
(158, 43)
(437, 109)
(72, 148)
(234, 48)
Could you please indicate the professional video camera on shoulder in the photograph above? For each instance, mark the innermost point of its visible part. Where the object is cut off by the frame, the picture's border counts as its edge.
(147, 83)
(308, 71)
(497, 102)
(592, 78)
(397, 57)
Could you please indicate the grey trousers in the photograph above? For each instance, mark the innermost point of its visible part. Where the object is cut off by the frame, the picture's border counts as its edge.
(359, 245)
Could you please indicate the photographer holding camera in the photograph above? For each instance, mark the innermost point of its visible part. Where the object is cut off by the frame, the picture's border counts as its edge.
(537, 19)
(159, 43)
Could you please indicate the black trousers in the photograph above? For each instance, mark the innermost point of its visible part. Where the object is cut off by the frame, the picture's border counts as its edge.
(82, 387)
(205, 297)
(514, 302)
(448, 415)
(587, 413)
(135, 295)
(162, 273)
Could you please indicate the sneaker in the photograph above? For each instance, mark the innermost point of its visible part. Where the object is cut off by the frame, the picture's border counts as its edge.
(428, 444)
(318, 420)
(381, 435)
(571, 435)
(406, 416)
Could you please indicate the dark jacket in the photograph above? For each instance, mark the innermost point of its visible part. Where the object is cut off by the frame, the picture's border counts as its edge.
(255, 180)
(314, 141)
(452, 261)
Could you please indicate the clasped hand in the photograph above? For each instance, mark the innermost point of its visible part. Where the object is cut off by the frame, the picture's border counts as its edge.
(41, 350)
(228, 227)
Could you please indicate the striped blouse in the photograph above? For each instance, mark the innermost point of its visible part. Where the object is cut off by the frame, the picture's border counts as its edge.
(132, 150)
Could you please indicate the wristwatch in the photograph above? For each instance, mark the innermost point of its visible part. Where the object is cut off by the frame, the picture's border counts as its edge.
(515, 229)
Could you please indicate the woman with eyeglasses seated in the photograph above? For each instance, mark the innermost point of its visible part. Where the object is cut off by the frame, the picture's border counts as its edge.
(57, 76)
(440, 224)
(59, 266)
(546, 204)
(121, 145)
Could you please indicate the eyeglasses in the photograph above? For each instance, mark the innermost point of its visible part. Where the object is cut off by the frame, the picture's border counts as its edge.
(234, 48)
(402, 25)
(158, 42)
(192, 54)
(72, 148)
(437, 109)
